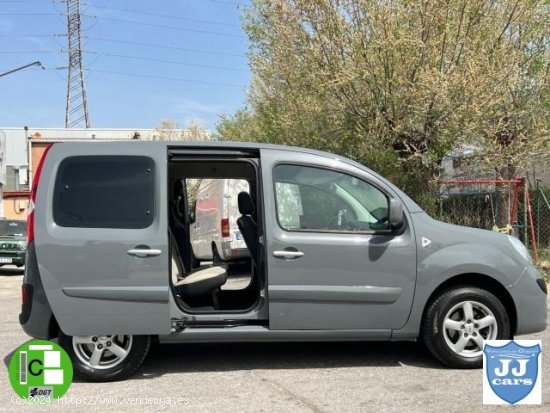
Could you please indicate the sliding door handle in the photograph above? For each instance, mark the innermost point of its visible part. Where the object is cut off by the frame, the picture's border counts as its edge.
(144, 252)
(288, 254)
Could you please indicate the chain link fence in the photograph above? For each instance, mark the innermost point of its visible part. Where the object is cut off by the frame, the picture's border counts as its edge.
(500, 206)
(541, 214)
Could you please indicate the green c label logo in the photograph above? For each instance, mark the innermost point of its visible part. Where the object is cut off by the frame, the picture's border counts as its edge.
(40, 371)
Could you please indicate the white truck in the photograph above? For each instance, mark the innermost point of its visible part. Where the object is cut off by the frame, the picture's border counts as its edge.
(216, 214)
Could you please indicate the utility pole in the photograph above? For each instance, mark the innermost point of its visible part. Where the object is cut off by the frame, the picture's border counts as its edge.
(76, 113)
(37, 63)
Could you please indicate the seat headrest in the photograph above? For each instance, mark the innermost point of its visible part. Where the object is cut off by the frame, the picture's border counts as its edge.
(178, 188)
(179, 199)
(246, 205)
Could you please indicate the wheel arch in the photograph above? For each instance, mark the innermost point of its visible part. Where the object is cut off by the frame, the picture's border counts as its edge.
(53, 328)
(481, 281)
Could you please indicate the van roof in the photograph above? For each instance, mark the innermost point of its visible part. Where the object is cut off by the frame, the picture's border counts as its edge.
(202, 144)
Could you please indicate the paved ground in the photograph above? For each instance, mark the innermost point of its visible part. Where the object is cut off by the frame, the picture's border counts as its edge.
(302, 377)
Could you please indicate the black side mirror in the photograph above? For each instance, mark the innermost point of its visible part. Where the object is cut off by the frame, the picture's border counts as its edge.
(191, 218)
(397, 216)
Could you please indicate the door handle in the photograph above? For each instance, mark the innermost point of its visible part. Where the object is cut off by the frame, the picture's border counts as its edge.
(288, 254)
(144, 252)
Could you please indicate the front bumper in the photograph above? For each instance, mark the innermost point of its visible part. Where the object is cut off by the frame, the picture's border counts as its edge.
(12, 257)
(531, 302)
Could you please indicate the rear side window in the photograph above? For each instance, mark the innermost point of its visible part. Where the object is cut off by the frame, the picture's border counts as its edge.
(105, 192)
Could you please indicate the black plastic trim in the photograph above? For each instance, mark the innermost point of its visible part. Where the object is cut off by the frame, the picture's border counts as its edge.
(26, 307)
(542, 285)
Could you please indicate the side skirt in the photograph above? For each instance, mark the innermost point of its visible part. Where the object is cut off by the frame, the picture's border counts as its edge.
(264, 334)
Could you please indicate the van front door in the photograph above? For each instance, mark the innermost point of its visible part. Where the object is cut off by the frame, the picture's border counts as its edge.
(333, 261)
(102, 237)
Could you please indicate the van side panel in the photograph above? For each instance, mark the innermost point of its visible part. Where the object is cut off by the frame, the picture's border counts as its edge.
(78, 266)
(234, 247)
(216, 200)
(208, 218)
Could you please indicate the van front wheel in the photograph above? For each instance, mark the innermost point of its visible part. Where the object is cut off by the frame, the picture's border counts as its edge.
(457, 323)
(107, 357)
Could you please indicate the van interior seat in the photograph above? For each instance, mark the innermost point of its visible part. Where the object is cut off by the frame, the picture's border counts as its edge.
(197, 282)
(179, 222)
(247, 225)
(201, 281)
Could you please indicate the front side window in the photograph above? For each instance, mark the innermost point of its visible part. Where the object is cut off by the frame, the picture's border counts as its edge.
(105, 192)
(317, 199)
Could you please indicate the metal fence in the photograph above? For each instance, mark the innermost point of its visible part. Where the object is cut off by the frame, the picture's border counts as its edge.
(508, 206)
(541, 213)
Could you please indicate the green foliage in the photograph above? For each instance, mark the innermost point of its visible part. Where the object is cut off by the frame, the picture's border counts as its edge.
(396, 85)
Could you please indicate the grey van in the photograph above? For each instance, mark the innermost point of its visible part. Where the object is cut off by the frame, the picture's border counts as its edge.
(337, 253)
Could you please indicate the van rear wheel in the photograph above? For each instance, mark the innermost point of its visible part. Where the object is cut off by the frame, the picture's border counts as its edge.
(106, 357)
(458, 321)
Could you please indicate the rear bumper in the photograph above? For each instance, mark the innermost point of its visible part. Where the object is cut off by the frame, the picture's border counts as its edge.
(531, 302)
(230, 253)
(36, 316)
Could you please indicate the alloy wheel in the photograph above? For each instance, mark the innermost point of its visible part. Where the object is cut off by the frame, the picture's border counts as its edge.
(466, 325)
(102, 352)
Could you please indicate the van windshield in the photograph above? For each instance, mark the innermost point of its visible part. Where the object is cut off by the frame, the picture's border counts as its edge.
(12, 228)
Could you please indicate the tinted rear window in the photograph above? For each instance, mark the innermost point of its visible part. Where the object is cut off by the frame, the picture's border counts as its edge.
(105, 192)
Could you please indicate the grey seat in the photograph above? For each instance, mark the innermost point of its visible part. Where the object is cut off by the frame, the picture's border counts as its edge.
(198, 282)
(247, 225)
(201, 281)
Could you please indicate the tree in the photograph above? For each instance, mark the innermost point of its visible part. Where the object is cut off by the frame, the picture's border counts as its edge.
(397, 84)
(168, 130)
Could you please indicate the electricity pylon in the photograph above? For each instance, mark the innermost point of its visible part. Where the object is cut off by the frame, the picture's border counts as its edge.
(76, 113)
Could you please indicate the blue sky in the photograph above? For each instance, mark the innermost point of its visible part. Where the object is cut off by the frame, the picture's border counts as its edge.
(202, 38)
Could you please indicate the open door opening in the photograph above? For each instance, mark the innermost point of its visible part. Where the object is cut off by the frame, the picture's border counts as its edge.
(214, 235)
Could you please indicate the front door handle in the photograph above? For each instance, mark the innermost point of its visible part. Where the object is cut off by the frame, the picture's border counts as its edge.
(143, 252)
(288, 254)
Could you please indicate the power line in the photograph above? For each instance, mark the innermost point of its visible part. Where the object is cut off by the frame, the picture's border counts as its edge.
(129, 42)
(167, 16)
(229, 2)
(33, 35)
(151, 59)
(28, 14)
(162, 46)
(175, 79)
(164, 26)
(27, 52)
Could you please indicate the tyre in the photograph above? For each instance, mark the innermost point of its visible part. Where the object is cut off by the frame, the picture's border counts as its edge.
(105, 358)
(458, 320)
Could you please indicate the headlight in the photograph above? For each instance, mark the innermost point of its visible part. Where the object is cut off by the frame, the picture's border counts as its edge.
(22, 246)
(520, 248)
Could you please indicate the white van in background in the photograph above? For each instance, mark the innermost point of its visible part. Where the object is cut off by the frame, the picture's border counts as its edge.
(216, 214)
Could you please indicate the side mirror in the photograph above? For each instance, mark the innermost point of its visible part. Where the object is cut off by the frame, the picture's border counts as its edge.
(191, 218)
(396, 216)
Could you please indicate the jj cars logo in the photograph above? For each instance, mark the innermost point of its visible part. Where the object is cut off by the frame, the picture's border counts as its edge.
(512, 372)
